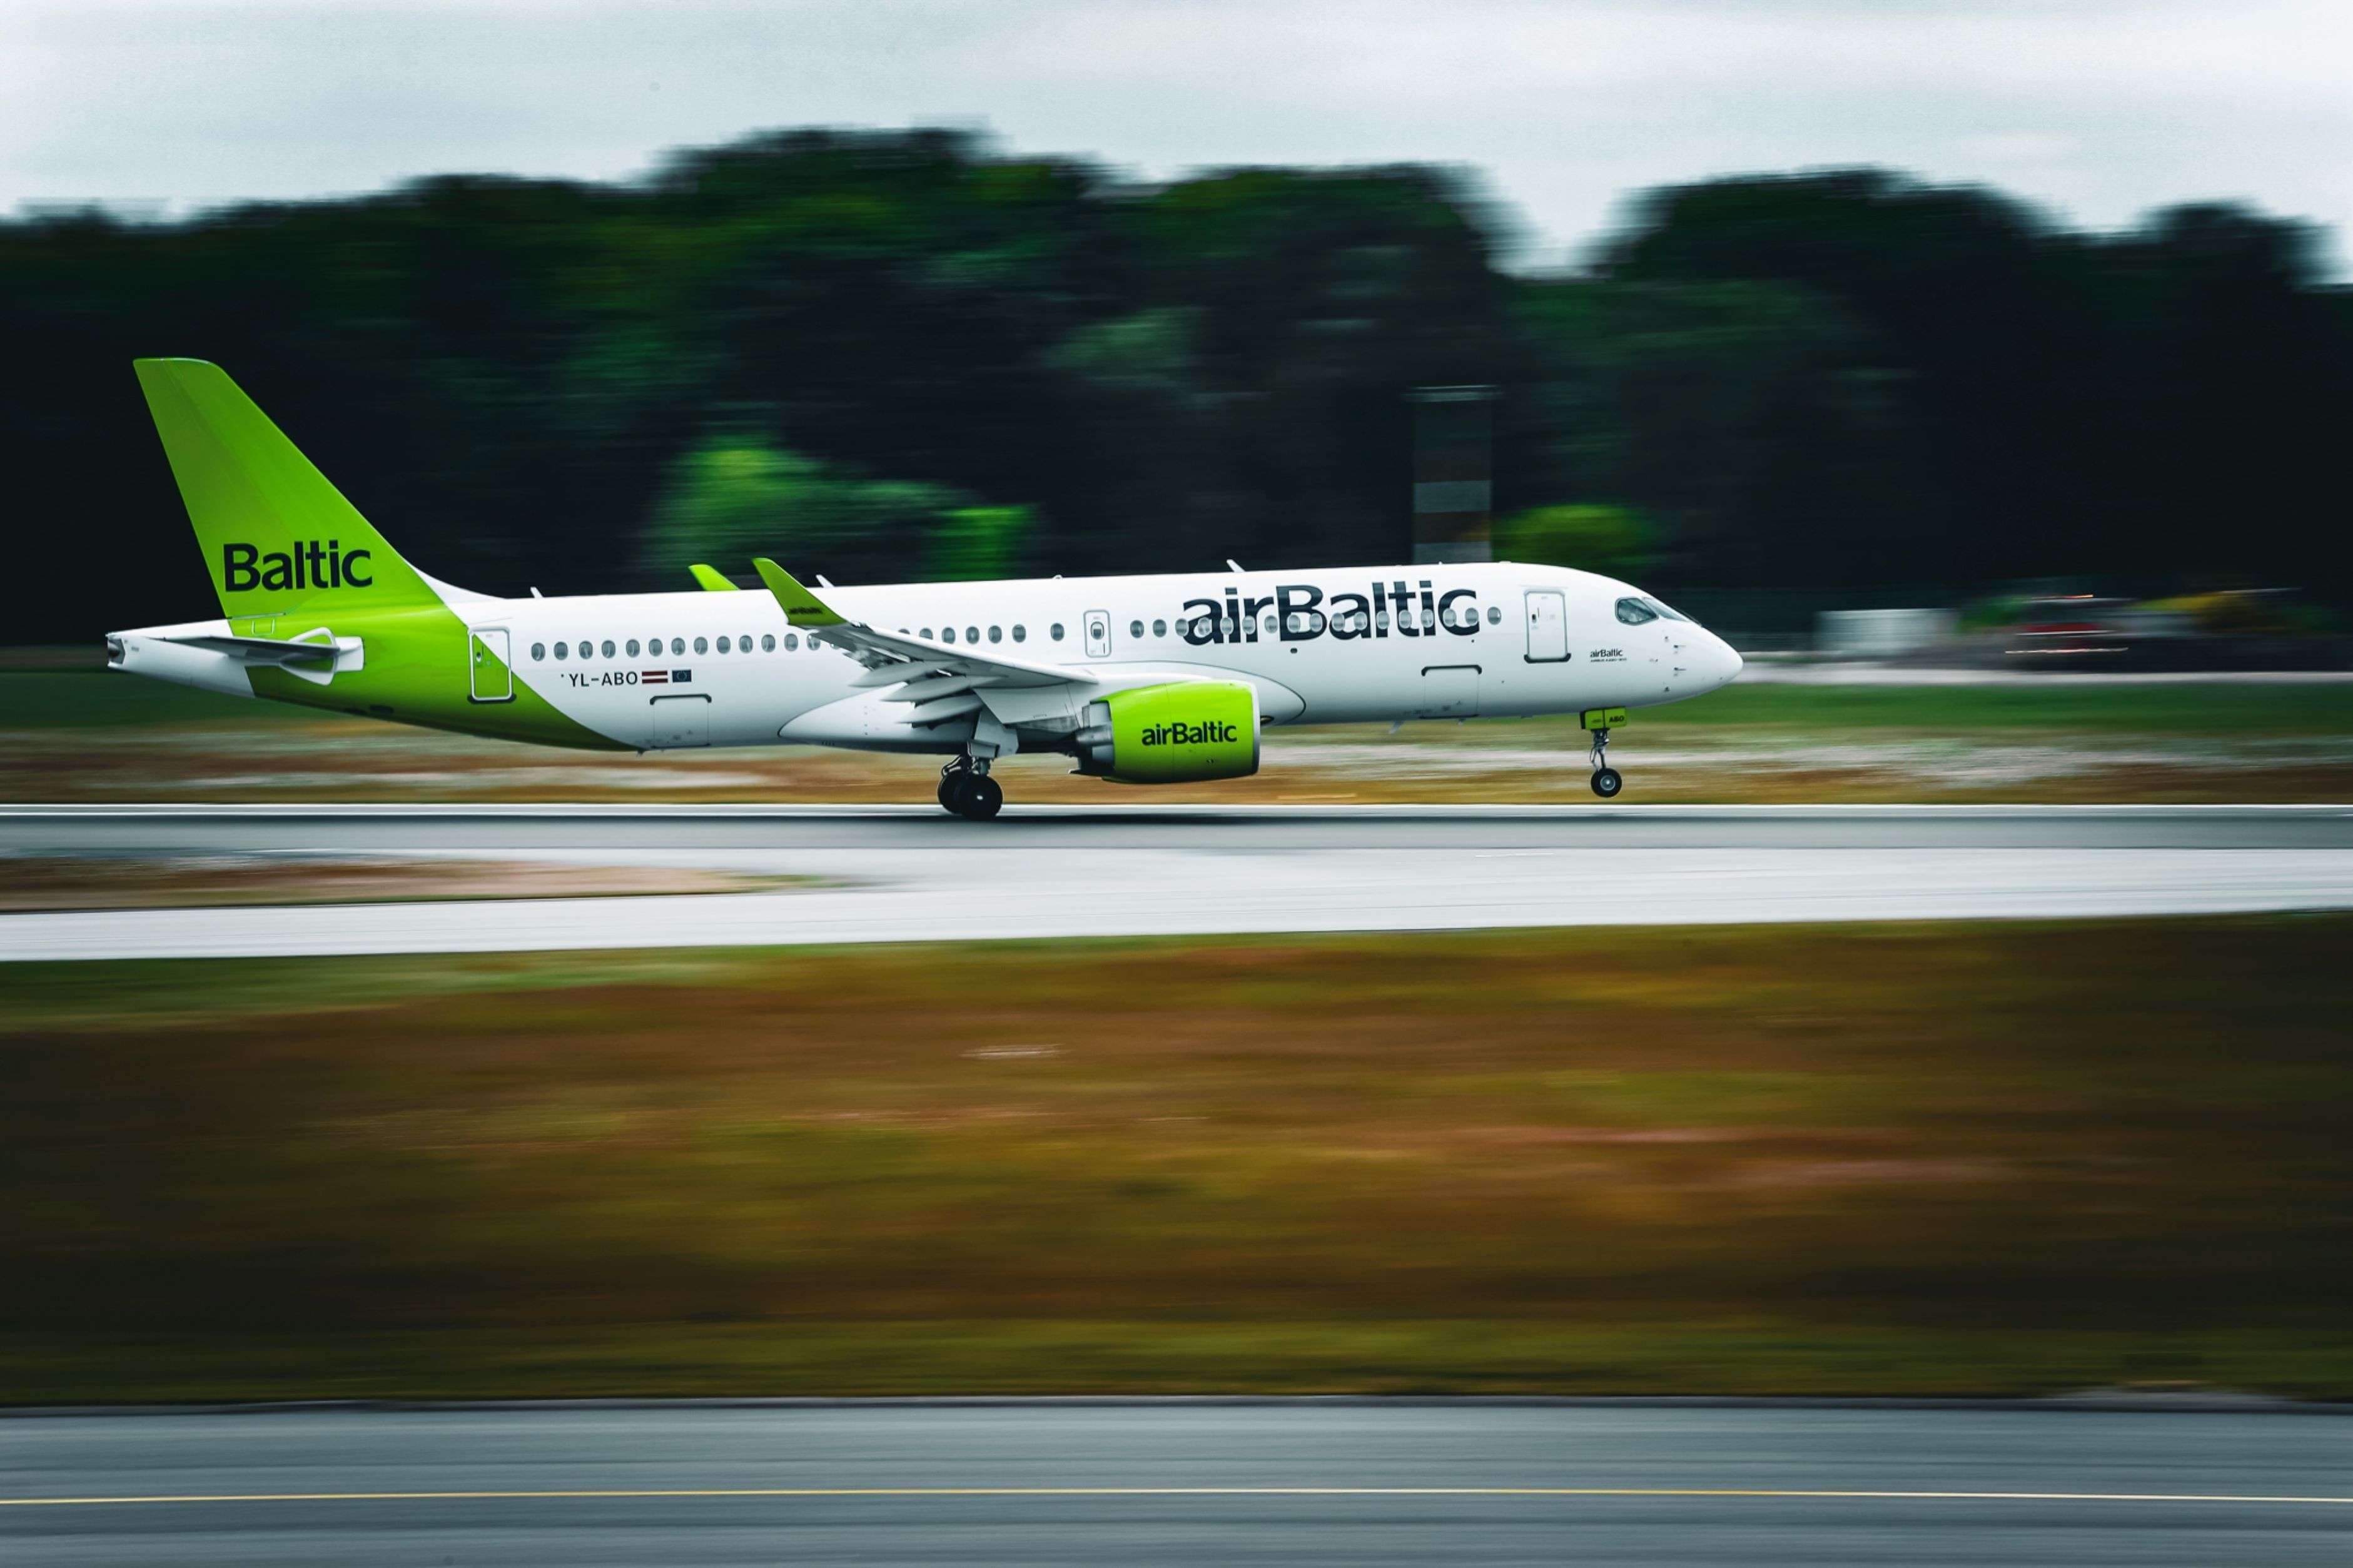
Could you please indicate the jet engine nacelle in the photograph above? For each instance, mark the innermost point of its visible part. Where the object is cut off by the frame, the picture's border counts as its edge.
(1179, 733)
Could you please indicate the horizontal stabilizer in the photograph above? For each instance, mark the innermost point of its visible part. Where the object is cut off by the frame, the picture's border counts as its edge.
(275, 650)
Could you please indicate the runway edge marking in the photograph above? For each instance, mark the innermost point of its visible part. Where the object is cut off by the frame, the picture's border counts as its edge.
(656, 1493)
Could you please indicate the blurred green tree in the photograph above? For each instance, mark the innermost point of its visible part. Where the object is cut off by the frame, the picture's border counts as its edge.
(737, 496)
(1610, 540)
(974, 543)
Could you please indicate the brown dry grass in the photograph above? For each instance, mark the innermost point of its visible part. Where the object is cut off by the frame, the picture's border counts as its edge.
(1887, 1159)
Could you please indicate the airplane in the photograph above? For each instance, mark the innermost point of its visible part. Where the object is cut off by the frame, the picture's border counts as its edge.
(1168, 679)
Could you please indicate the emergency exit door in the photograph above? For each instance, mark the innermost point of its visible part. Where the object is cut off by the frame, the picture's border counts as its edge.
(1547, 617)
(1098, 633)
(494, 671)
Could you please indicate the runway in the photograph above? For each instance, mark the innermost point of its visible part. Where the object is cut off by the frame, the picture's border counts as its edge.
(910, 874)
(1180, 1482)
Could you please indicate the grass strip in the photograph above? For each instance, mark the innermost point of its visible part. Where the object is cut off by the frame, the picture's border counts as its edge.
(1899, 1159)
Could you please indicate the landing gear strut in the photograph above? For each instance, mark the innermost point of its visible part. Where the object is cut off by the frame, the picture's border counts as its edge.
(966, 789)
(1606, 782)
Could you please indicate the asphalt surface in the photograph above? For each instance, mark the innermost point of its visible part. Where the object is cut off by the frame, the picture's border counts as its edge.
(886, 874)
(80, 829)
(1147, 1483)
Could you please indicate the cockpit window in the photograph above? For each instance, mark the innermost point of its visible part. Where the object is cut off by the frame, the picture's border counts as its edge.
(1667, 610)
(1635, 613)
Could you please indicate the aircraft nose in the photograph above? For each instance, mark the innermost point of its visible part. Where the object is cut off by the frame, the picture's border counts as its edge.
(1725, 662)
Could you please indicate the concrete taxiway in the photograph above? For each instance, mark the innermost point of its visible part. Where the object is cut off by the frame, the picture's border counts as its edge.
(1154, 1482)
(909, 874)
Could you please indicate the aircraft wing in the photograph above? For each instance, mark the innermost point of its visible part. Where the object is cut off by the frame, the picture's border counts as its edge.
(939, 683)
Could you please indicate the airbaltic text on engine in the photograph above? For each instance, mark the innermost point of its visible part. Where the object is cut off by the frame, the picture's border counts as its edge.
(1180, 733)
(1346, 616)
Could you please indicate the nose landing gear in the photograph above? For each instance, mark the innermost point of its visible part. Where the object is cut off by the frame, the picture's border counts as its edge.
(1606, 782)
(966, 789)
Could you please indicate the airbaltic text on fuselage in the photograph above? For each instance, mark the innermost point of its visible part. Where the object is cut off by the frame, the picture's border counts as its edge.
(1301, 613)
(311, 565)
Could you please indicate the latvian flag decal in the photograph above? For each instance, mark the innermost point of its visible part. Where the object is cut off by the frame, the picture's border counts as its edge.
(665, 677)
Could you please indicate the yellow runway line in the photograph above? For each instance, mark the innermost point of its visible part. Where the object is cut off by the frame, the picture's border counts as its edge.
(649, 1493)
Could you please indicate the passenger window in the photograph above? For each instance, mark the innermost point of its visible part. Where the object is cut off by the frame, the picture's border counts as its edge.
(559, 651)
(1381, 619)
(947, 634)
(700, 645)
(678, 645)
(1020, 632)
(724, 646)
(767, 642)
(1056, 631)
(972, 634)
(744, 642)
(1160, 629)
(1135, 628)
(1635, 613)
(538, 650)
(792, 643)
(608, 647)
(633, 647)
(927, 634)
(997, 633)
(1494, 617)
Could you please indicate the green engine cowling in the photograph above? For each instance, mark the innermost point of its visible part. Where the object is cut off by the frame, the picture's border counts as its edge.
(1179, 733)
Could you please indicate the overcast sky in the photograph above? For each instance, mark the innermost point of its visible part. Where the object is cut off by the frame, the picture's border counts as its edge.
(2097, 109)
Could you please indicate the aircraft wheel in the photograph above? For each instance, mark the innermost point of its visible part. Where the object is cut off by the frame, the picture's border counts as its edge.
(953, 779)
(1607, 784)
(980, 798)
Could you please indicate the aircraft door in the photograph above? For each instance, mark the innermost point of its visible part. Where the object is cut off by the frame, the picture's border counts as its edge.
(1098, 633)
(1547, 619)
(680, 721)
(494, 668)
(1449, 692)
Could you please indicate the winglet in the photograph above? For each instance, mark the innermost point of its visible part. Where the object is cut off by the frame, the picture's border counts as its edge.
(711, 579)
(802, 609)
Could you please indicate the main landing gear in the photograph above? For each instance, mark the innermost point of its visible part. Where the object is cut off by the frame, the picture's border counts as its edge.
(1606, 782)
(966, 789)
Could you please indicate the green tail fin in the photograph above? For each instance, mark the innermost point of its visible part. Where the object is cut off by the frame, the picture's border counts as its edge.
(711, 579)
(277, 536)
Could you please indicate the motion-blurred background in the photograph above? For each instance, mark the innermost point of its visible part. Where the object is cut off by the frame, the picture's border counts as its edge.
(1770, 387)
(1937, 354)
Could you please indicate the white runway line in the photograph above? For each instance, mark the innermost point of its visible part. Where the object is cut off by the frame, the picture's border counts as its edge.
(916, 895)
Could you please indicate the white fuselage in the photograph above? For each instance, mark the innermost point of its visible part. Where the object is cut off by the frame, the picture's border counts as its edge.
(1513, 640)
